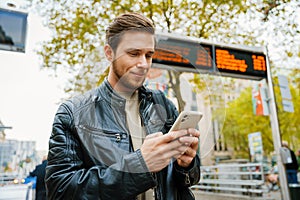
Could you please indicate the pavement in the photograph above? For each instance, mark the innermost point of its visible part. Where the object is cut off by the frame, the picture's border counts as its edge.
(201, 195)
(276, 195)
(15, 192)
(20, 192)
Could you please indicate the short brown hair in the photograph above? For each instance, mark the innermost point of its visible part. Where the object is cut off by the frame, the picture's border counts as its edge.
(127, 22)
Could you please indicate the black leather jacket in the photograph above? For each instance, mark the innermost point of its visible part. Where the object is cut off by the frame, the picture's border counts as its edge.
(91, 156)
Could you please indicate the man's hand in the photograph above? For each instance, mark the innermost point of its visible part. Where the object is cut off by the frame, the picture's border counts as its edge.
(187, 157)
(159, 149)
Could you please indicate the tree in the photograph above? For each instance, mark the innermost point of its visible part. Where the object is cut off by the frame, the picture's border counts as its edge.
(78, 34)
(240, 121)
(78, 31)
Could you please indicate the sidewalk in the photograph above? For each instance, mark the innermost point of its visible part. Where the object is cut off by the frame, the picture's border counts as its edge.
(16, 192)
(200, 195)
(276, 195)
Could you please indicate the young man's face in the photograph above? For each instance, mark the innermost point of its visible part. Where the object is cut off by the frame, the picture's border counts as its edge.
(131, 61)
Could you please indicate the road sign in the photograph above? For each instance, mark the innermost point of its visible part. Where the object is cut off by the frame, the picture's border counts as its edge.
(286, 96)
(256, 147)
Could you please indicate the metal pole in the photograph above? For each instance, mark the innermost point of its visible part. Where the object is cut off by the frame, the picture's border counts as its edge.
(276, 133)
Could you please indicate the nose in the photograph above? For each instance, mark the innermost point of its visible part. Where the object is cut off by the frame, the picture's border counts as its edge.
(142, 62)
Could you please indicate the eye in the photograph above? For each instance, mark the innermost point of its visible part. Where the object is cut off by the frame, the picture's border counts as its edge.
(133, 54)
(149, 55)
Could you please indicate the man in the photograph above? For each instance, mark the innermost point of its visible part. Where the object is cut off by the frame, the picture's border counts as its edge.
(39, 173)
(113, 142)
(291, 165)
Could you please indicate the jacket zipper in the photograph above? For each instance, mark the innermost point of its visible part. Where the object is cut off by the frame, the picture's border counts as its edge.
(187, 179)
(118, 136)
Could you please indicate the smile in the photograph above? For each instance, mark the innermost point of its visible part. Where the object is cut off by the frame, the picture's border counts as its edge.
(138, 74)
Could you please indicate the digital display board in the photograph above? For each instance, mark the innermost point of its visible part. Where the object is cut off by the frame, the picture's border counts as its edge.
(240, 62)
(183, 53)
(191, 55)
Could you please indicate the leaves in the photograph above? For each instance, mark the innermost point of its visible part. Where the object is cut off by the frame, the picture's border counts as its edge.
(78, 35)
(78, 29)
(240, 121)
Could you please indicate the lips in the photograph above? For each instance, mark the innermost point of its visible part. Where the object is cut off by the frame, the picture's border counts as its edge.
(140, 74)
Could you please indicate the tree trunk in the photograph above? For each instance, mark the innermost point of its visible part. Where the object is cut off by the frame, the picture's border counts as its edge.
(175, 85)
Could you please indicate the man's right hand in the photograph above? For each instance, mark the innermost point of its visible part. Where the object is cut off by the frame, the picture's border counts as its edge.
(159, 149)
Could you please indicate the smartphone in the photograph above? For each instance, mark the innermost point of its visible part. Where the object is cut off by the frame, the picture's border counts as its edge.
(186, 119)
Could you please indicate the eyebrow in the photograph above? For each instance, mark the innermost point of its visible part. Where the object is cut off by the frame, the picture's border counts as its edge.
(134, 49)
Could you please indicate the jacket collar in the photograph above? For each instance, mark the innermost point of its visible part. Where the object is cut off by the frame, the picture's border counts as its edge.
(106, 90)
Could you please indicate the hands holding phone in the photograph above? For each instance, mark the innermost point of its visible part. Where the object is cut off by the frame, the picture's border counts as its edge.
(181, 143)
(158, 149)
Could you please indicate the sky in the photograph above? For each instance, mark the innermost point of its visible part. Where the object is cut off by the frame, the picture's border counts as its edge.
(29, 95)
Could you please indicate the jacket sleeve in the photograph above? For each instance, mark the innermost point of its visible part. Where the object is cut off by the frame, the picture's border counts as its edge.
(68, 176)
(186, 177)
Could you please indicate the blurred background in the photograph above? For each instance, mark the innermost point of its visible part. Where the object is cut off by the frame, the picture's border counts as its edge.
(52, 50)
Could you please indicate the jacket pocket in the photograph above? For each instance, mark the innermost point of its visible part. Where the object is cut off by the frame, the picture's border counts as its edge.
(115, 136)
(105, 146)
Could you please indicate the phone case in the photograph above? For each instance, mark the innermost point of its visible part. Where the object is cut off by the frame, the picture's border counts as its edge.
(187, 119)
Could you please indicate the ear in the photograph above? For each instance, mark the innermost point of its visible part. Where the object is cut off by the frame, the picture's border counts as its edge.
(109, 54)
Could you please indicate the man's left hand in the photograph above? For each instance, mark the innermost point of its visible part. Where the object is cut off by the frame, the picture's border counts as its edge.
(191, 150)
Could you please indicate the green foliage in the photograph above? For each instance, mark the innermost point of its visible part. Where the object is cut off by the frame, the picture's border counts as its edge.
(240, 121)
(78, 34)
(78, 29)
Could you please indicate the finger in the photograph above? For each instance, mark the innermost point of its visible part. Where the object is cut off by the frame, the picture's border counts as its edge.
(188, 155)
(190, 152)
(184, 160)
(173, 149)
(171, 153)
(181, 162)
(195, 143)
(173, 135)
(187, 140)
(194, 132)
(185, 151)
(177, 148)
(175, 144)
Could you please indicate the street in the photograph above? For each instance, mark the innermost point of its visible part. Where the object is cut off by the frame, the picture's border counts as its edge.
(16, 192)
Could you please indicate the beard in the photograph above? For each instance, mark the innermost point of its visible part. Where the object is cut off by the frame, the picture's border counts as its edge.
(127, 80)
